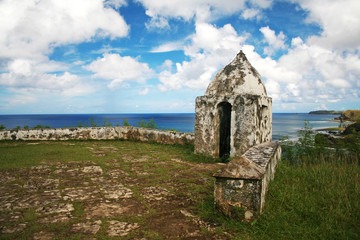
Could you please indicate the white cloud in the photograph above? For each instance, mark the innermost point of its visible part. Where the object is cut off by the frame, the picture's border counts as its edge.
(20, 99)
(324, 107)
(293, 89)
(210, 48)
(201, 10)
(115, 3)
(169, 47)
(307, 73)
(33, 28)
(296, 42)
(275, 42)
(157, 23)
(79, 62)
(30, 30)
(167, 64)
(119, 69)
(339, 83)
(144, 91)
(262, 3)
(250, 13)
(31, 74)
(108, 49)
(212, 40)
(340, 21)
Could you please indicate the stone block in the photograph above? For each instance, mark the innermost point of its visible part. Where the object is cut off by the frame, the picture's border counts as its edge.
(241, 186)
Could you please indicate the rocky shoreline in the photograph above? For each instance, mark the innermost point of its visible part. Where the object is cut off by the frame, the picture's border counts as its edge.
(345, 116)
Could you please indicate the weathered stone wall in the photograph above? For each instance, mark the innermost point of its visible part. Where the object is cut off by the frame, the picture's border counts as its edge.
(241, 186)
(99, 133)
(251, 123)
(241, 86)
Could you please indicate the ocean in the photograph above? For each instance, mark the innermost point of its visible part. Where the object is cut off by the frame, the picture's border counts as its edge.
(284, 124)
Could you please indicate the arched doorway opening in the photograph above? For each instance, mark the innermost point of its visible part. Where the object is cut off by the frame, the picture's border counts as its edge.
(224, 113)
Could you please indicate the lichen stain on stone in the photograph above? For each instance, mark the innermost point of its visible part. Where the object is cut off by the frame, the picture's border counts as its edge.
(229, 68)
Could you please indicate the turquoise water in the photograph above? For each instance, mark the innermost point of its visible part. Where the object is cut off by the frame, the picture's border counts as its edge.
(284, 124)
(288, 124)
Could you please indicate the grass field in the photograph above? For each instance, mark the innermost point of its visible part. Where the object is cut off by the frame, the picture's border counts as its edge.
(316, 199)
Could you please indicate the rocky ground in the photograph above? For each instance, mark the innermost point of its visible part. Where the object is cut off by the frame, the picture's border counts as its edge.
(119, 193)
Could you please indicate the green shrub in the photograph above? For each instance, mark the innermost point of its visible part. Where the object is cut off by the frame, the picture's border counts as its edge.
(80, 124)
(106, 123)
(353, 128)
(147, 124)
(93, 122)
(151, 124)
(126, 122)
(39, 126)
(2, 127)
(315, 149)
(172, 130)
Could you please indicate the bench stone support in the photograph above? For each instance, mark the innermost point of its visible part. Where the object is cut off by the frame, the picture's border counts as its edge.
(241, 186)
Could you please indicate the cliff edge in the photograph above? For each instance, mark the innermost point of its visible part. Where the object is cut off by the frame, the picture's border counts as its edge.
(349, 115)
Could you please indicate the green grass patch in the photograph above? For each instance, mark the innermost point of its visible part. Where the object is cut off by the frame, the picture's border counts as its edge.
(78, 209)
(315, 194)
(29, 215)
(303, 202)
(27, 154)
(312, 200)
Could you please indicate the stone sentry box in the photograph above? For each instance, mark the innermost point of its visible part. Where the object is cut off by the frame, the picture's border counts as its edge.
(235, 112)
(234, 119)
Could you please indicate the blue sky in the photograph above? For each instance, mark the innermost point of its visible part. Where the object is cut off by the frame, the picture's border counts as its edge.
(156, 56)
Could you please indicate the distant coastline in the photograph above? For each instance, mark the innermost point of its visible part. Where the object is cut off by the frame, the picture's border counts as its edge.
(345, 116)
(326, 112)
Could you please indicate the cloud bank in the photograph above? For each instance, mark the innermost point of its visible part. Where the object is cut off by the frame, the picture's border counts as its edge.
(309, 69)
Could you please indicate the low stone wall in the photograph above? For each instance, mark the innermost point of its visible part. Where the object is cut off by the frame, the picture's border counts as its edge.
(241, 186)
(100, 133)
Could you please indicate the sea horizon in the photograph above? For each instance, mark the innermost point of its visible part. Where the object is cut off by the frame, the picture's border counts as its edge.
(284, 124)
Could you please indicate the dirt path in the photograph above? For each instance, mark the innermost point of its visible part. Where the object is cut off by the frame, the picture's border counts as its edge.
(140, 196)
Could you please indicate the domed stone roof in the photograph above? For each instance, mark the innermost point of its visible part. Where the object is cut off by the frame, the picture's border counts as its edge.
(237, 78)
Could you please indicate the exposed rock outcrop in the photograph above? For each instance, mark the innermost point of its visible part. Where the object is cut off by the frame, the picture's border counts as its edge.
(349, 115)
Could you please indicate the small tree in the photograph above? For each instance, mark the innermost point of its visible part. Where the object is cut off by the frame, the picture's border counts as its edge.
(79, 125)
(306, 142)
(147, 124)
(106, 123)
(125, 122)
(151, 124)
(93, 122)
(303, 150)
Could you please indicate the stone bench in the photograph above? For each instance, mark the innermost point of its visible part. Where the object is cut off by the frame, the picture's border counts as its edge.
(240, 186)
